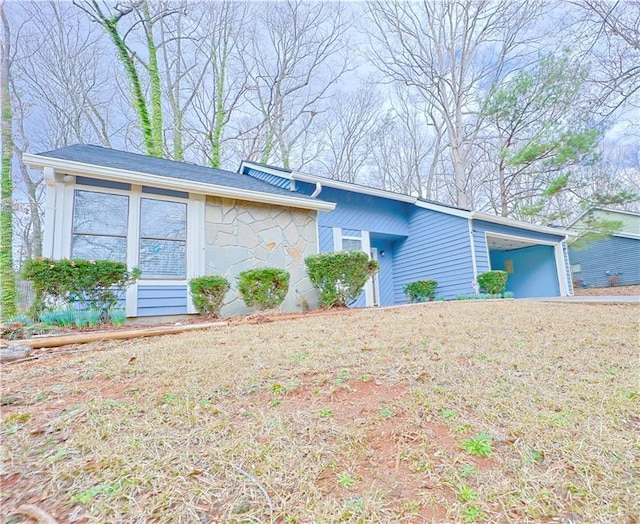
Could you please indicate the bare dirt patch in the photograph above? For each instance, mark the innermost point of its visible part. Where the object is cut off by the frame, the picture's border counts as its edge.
(366, 416)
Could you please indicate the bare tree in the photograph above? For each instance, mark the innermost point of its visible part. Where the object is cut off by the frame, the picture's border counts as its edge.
(219, 85)
(447, 51)
(347, 134)
(609, 33)
(31, 225)
(63, 75)
(407, 148)
(291, 69)
(138, 15)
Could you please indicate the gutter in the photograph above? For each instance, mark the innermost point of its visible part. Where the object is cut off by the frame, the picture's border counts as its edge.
(135, 177)
(515, 223)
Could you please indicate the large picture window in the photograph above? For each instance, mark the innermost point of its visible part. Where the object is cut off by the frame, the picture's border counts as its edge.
(100, 226)
(163, 238)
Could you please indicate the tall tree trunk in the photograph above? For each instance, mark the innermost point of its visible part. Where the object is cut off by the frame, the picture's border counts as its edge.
(155, 85)
(8, 295)
(220, 64)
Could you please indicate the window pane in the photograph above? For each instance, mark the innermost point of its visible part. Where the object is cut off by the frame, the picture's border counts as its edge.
(349, 244)
(162, 219)
(100, 213)
(95, 247)
(162, 258)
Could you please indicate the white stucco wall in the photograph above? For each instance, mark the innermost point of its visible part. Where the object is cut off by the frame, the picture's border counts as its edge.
(245, 235)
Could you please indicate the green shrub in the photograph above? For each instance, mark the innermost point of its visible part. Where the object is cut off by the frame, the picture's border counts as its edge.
(421, 290)
(264, 287)
(508, 294)
(339, 277)
(92, 284)
(208, 294)
(493, 282)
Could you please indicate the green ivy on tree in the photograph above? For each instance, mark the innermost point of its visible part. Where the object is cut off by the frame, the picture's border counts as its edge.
(7, 277)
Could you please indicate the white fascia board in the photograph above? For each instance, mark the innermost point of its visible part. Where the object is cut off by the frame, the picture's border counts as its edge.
(627, 235)
(355, 188)
(134, 177)
(444, 209)
(516, 223)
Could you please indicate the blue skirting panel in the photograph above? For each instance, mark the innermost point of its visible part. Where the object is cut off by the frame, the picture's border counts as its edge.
(162, 300)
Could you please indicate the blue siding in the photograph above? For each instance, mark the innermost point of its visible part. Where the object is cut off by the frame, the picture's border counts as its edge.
(385, 274)
(364, 212)
(490, 227)
(438, 247)
(274, 180)
(614, 254)
(325, 239)
(531, 265)
(161, 300)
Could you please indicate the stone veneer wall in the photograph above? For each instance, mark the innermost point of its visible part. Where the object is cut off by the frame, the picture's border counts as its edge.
(246, 235)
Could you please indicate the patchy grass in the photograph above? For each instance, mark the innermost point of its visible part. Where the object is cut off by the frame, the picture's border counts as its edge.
(462, 412)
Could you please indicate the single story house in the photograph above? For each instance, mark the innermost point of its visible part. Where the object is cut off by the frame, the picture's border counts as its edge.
(415, 239)
(176, 221)
(614, 260)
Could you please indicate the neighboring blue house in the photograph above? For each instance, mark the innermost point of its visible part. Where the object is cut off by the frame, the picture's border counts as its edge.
(414, 239)
(176, 221)
(614, 260)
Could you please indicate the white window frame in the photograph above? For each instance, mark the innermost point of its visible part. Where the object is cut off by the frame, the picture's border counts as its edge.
(67, 218)
(60, 232)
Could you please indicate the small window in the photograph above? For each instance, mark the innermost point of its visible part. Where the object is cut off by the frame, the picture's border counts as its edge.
(576, 268)
(351, 244)
(163, 238)
(100, 226)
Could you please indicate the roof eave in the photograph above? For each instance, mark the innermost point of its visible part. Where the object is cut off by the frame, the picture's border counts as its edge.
(121, 175)
(515, 223)
(355, 188)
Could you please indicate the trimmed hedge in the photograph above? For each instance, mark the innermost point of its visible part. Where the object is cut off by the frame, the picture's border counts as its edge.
(493, 282)
(93, 284)
(339, 277)
(208, 294)
(421, 290)
(263, 287)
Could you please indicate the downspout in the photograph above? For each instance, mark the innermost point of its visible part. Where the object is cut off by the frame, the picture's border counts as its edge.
(473, 249)
(317, 190)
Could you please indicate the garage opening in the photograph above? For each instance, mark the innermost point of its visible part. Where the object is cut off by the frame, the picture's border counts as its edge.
(531, 266)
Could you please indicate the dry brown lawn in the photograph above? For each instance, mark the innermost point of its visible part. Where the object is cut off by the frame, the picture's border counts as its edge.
(500, 411)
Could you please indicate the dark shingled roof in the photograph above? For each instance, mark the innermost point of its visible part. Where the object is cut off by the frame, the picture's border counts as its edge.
(113, 158)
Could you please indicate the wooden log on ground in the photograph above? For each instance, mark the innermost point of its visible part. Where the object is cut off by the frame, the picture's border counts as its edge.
(96, 336)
